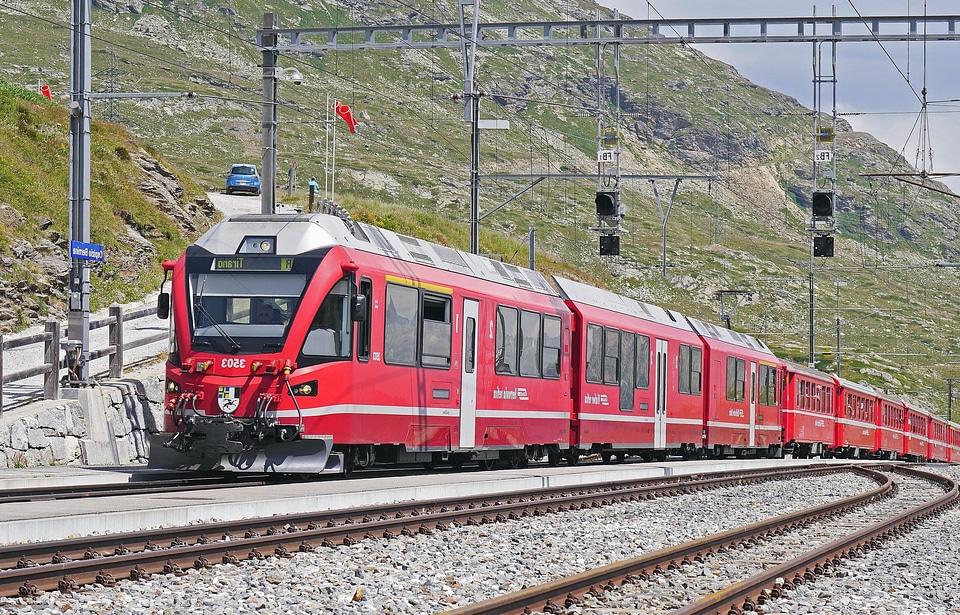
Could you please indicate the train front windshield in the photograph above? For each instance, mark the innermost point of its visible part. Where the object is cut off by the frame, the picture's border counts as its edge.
(242, 312)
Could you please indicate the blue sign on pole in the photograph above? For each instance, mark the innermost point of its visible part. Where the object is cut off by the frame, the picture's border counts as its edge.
(87, 251)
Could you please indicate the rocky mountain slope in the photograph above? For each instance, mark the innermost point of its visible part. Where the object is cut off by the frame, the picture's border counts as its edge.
(681, 113)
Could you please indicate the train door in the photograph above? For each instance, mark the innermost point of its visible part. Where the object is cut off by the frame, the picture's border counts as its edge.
(753, 403)
(660, 413)
(468, 375)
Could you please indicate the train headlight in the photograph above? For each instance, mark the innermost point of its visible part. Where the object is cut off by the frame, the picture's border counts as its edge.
(172, 387)
(306, 389)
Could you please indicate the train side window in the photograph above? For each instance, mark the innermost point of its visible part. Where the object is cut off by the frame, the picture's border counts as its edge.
(628, 355)
(530, 344)
(400, 325)
(643, 362)
(436, 330)
(507, 329)
(551, 347)
(611, 356)
(363, 326)
(330, 334)
(691, 370)
(594, 354)
(736, 379)
(470, 345)
(768, 385)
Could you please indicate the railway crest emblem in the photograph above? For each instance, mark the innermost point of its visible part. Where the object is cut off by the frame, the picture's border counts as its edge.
(228, 398)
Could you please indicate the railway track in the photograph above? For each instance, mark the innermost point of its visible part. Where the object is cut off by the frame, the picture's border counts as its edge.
(150, 485)
(27, 569)
(789, 560)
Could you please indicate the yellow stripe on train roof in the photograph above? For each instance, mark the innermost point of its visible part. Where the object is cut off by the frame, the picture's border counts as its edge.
(419, 284)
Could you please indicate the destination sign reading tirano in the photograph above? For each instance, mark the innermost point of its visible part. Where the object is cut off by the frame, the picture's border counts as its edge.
(253, 263)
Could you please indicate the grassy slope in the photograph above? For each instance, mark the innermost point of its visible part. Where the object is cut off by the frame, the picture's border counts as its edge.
(689, 115)
(34, 180)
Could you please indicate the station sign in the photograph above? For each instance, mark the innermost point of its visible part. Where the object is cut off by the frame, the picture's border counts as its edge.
(87, 251)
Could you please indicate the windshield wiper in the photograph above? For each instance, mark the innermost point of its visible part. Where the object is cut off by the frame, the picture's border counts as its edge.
(234, 346)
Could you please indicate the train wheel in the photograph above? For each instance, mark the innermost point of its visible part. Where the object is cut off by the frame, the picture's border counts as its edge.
(573, 458)
(606, 456)
(621, 457)
(553, 459)
(488, 464)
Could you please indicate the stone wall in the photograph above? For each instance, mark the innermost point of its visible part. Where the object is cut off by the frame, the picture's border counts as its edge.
(104, 425)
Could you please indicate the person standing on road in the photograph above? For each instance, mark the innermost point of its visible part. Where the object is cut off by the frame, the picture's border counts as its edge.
(313, 188)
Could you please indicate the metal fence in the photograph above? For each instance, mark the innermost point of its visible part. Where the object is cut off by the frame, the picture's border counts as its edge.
(55, 361)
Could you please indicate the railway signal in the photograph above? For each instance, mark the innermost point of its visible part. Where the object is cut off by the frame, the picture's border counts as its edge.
(823, 204)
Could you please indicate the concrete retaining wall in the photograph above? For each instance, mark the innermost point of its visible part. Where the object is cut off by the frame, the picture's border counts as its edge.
(104, 425)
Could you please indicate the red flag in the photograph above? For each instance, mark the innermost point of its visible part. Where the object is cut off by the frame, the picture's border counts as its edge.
(347, 115)
(45, 90)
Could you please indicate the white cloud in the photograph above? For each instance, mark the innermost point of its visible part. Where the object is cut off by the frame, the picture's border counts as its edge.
(872, 82)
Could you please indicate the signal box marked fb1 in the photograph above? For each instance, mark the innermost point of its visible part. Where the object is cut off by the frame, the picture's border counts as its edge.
(87, 251)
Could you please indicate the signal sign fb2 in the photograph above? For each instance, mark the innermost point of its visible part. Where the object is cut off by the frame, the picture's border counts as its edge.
(605, 155)
(822, 155)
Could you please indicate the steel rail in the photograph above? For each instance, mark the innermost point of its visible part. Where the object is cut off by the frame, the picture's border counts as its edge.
(553, 596)
(80, 561)
(747, 594)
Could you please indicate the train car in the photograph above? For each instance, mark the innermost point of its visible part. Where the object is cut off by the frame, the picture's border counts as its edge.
(891, 427)
(310, 343)
(953, 443)
(741, 411)
(806, 411)
(637, 387)
(939, 437)
(916, 440)
(856, 411)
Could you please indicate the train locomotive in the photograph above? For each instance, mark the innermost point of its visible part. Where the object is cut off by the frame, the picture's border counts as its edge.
(310, 343)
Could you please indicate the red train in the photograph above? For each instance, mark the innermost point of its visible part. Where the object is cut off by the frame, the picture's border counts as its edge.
(311, 344)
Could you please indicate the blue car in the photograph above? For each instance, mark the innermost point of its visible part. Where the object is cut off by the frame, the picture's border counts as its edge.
(243, 178)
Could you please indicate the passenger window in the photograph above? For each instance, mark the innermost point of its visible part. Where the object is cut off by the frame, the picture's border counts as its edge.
(551, 347)
(436, 331)
(643, 362)
(507, 326)
(594, 354)
(611, 356)
(400, 325)
(530, 346)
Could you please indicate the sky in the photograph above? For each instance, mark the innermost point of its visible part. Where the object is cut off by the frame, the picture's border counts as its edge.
(869, 83)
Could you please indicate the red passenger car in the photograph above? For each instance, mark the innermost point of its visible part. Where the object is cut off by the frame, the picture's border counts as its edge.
(637, 377)
(891, 428)
(939, 439)
(741, 412)
(856, 407)
(953, 443)
(314, 344)
(806, 411)
(916, 441)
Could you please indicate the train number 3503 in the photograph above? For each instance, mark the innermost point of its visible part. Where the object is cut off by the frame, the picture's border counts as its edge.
(233, 362)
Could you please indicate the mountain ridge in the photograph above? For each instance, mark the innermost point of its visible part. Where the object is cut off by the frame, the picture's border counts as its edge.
(684, 114)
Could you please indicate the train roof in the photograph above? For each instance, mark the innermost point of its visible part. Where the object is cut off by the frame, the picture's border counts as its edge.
(856, 386)
(712, 331)
(578, 292)
(808, 371)
(298, 234)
